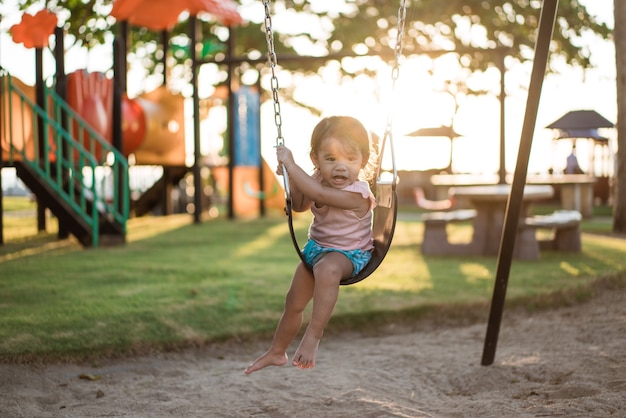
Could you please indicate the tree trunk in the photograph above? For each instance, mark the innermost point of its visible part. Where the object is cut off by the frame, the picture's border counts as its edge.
(619, 207)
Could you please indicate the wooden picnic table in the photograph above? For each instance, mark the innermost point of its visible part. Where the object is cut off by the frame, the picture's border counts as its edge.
(489, 207)
(575, 191)
(490, 201)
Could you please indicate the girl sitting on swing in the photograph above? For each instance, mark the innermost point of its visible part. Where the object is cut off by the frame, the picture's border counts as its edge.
(340, 236)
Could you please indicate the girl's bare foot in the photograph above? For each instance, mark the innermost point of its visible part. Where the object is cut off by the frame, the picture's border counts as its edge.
(267, 359)
(305, 354)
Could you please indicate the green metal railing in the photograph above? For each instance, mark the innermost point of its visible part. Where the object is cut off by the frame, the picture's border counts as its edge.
(87, 172)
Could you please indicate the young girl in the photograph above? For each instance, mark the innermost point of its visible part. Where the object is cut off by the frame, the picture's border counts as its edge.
(340, 236)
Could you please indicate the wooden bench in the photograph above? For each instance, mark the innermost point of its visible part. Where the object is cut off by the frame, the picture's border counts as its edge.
(435, 235)
(565, 227)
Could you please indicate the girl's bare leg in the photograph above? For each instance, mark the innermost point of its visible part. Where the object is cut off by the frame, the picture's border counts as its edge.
(328, 273)
(298, 296)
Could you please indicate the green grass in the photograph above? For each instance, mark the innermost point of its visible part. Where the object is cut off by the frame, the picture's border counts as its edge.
(17, 203)
(176, 284)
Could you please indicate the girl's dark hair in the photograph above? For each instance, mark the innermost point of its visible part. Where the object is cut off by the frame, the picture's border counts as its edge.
(351, 132)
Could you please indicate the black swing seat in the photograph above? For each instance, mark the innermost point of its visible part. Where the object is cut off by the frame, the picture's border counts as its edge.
(383, 227)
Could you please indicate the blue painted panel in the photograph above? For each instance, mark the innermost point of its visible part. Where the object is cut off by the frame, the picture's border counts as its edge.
(246, 130)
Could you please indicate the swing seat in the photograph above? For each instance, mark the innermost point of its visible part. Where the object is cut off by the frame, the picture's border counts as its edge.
(383, 227)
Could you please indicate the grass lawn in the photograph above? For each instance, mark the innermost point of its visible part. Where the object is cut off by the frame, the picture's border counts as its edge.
(177, 284)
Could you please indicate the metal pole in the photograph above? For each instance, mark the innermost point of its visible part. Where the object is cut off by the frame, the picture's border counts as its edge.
(231, 127)
(542, 49)
(43, 147)
(165, 36)
(197, 181)
(123, 64)
(264, 193)
(60, 88)
(502, 169)
(119, 74)
(120, 51)
(3, 78)
(118, 92)
(166, 200)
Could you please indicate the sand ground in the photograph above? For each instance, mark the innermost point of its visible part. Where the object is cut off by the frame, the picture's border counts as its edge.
(563, 362)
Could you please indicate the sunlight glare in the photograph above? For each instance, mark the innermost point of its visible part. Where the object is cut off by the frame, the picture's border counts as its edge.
(474, 272)
(264, 242)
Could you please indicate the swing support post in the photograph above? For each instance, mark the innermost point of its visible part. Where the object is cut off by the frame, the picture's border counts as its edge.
(513, 208)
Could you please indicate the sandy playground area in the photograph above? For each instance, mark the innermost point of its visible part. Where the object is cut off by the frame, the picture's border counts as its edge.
(563, 362)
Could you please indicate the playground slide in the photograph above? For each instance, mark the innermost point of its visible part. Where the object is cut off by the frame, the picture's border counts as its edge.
(152, 124)
(164, 142)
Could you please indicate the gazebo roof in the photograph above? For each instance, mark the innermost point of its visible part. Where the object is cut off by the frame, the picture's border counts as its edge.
(581, 124)
(581, 120)
(442, 130)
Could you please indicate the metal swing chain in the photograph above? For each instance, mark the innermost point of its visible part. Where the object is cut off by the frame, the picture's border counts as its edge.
(271, 57)
(395, 74)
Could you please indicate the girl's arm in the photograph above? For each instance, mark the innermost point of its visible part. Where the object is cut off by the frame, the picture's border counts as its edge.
(319, 192)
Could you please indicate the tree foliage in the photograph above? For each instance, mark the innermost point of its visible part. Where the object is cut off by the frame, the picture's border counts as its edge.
(463, 25)
(366, 27)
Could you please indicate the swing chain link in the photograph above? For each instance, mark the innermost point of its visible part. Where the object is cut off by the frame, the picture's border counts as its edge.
(273, 63)
(395, 74)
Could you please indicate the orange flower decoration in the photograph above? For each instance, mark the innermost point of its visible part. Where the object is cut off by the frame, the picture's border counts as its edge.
(34, 31)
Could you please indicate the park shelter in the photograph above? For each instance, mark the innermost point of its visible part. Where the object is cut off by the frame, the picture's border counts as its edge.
(585, 125)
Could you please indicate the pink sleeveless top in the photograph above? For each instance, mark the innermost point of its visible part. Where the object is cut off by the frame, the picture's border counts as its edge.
(341, 228)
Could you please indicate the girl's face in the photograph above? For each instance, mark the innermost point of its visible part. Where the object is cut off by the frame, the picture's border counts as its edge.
(339, 164)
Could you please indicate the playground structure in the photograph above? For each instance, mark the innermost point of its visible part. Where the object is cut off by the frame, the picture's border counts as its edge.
(63, 145)
(152, 123)
(70, 143)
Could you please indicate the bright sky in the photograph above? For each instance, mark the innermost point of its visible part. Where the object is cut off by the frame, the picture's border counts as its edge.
(477, 120)
(415, 106)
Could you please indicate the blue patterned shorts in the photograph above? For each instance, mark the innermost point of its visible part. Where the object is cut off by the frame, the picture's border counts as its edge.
(313, 252)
